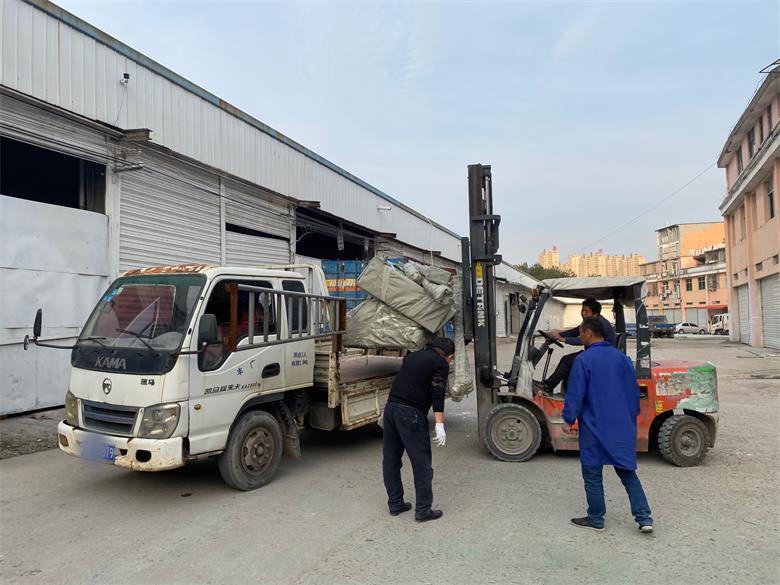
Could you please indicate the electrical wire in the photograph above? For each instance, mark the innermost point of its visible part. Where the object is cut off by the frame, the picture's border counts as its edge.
(649, 209)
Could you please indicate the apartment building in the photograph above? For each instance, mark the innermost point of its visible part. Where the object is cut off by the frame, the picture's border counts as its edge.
(751, 159)
(687, 281)
(600, 264)
(550, 258)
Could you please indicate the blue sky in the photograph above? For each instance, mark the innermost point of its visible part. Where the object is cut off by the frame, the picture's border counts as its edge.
(589, 113)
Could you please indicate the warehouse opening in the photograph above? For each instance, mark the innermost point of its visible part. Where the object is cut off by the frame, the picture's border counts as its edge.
(320, 235)
(42, 175)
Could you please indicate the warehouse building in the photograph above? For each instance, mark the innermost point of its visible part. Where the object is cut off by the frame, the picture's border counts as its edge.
(110, 161)
(751, 159)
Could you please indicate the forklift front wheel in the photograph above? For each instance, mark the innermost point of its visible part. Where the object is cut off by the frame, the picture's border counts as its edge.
(683, 440)
(512, 432)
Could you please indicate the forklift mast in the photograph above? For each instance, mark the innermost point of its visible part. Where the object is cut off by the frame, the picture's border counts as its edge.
(480, 255)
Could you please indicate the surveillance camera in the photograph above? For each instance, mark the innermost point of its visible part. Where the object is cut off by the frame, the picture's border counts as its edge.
(126, 75)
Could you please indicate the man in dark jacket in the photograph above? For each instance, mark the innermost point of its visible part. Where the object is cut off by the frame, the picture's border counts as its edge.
(604, 397)
(420, 384)
(590, 308)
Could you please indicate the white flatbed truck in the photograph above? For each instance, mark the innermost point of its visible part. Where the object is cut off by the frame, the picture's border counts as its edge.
(181, 363)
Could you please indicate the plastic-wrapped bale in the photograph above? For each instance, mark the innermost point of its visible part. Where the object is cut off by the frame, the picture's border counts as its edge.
(374, 325)
(393, 288)
(437, 291)
(432, 273)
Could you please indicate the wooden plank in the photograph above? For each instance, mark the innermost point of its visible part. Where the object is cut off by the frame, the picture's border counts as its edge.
(366, 368)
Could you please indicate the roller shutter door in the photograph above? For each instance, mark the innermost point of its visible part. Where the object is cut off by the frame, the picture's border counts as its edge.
(252, 208)
(743, 314)
(770, 309)
(244, 250)
(40, 127)
(502, 298)
(169, 214)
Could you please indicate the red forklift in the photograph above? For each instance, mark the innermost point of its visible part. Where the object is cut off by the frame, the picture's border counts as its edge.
(679, 398)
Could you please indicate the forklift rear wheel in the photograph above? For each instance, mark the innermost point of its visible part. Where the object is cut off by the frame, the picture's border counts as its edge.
(512, 432)
(253, 452)
(683, 440)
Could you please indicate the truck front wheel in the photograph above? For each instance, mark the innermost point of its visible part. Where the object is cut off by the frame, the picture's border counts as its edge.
(253, 451)
(683, 440)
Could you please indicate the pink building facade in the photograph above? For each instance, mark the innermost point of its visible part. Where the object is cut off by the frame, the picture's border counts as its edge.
(751, 158)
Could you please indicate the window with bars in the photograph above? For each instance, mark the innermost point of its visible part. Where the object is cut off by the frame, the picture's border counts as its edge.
(702, 282)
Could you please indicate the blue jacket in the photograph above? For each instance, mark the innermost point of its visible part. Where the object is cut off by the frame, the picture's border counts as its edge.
(572, 336)
(604, 396)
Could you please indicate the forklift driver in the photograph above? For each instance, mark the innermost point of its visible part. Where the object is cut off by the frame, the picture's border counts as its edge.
(590, 308)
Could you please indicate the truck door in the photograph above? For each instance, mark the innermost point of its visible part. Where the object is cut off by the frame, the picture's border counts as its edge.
(221, 380)
(299, 354)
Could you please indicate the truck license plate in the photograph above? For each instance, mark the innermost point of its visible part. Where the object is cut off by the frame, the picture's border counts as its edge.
(99, 451)
(108, 452)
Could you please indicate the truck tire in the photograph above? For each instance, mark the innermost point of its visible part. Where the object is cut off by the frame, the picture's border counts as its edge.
(512, 433)
(683, 440)
(253, 452)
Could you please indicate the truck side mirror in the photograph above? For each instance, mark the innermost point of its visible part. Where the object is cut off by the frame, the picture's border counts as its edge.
(37, 325)
(207, 330)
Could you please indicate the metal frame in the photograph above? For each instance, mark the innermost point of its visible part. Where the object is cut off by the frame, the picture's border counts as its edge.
(333, 309)
(480, 282)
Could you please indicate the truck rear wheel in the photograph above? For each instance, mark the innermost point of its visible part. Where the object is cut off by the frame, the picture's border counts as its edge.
(683, 440)
(253, 451)
(512, 432)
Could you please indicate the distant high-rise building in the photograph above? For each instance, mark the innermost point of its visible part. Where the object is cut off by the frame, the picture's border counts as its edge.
(600, 264)
(550, 258)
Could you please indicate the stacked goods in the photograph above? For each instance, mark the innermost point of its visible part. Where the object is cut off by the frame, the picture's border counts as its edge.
(410, 303)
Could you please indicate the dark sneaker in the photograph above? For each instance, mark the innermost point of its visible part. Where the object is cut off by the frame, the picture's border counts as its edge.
(431, 515)
(405, 508)
(586, 523)
(646, 528)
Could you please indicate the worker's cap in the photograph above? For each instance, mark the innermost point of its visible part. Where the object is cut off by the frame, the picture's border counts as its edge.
(447, 346)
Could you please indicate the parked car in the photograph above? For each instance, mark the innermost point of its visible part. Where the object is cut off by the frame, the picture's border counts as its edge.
(630, 329)
(659, 326)
(690, 328)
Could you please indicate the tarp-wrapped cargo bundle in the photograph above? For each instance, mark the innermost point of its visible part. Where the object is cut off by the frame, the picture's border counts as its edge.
(407, 308)
(374, 325)
(391, 286)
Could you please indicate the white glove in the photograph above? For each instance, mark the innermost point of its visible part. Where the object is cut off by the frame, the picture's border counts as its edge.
(441, 436)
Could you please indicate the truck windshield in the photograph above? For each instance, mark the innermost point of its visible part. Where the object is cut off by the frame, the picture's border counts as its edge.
(139, 323)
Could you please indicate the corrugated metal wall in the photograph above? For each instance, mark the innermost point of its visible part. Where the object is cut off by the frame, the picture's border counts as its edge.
(54, 62)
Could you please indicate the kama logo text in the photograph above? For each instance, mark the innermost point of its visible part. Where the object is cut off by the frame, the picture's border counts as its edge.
(111, 363)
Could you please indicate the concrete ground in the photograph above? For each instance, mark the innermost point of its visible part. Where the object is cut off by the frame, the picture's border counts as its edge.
(323, 519)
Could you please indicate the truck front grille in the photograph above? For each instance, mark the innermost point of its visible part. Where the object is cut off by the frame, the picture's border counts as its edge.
(111, 418)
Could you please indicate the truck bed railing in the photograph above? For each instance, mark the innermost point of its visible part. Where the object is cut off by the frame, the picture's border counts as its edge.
(308, 316)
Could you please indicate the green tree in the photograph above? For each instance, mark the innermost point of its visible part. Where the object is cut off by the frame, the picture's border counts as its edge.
(539, 272)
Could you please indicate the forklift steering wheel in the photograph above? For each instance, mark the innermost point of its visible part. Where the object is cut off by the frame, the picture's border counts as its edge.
(550, 338)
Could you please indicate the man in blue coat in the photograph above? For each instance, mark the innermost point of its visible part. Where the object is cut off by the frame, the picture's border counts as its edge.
(603, 395)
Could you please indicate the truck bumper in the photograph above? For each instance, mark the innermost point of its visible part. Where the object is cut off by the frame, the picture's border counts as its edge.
(127, 452)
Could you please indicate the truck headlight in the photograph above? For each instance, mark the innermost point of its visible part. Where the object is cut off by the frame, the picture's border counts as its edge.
(71, 409)
(159, 421)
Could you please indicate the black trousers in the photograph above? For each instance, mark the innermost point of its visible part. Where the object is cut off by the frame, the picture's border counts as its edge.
(406, 429)
(562, 370)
